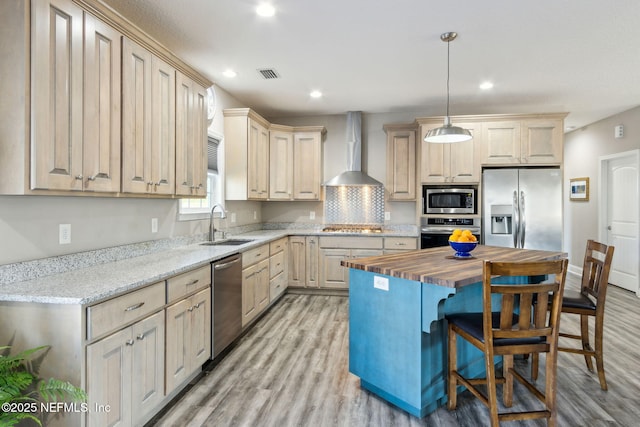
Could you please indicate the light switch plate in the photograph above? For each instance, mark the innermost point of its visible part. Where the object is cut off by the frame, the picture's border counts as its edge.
(154, 225)
(381, 283)
(312, 215)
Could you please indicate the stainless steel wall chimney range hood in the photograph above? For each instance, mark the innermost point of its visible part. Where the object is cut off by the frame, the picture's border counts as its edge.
(353, 176)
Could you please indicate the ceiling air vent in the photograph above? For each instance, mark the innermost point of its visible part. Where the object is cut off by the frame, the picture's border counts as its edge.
(269, 73)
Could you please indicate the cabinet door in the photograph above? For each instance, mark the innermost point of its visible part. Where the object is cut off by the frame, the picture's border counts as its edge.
(432, 158)
(297, 261)
(541, 142)
(163, 127)
(464, 157)
(401, 164)
(307, 165)
(258, 161)
(332, 274)
(249, 307)
(191, 137)
(147, 385)
(311, 262)
(177, 342)
(57, 80)
(102, 77)
(281, 165)
(136, 118)
(109, 379)
(501, 142)
(262, 285)
(200, 333)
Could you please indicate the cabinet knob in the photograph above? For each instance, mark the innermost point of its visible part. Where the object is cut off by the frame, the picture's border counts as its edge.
(91, 178)
(79, 177)
(140, 337)
(129, 342)
(190, 308)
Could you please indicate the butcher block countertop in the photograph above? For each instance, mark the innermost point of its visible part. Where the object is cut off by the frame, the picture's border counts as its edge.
(438, 266)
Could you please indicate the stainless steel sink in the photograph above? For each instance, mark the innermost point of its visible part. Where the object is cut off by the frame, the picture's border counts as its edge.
(228, 242)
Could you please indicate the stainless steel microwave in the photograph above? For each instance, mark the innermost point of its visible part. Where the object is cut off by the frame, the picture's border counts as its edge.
(449, 200)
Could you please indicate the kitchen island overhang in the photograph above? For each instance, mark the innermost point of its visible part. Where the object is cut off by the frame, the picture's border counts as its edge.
(397, 331)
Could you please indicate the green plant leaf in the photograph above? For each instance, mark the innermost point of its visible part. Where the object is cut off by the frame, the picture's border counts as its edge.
(54, 390)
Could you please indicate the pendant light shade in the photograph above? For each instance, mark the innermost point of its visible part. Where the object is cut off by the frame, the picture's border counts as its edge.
(448, 133)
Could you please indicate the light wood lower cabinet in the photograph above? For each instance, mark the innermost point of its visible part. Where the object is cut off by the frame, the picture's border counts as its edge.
(303, 261)
(333, 250)
(278, 271)
(255, 290)
(188, 337)
(126, 372)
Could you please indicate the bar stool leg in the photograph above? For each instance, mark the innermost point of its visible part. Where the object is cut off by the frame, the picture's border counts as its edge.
(452, 363)
(584, 332)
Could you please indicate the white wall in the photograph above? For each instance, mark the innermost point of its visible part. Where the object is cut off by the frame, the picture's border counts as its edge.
(582, 149)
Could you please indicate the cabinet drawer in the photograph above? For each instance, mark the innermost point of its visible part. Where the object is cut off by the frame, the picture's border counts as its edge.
(278, 245)
(351, 242)
(277, 285)
(114, 313)
(187, 283)
(407, 243)
(255, 255)
(276, 264)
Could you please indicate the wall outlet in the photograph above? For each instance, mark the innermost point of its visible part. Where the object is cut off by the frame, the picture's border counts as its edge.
(154, 225)
(64, 234)
(387, 216)
(233, 217)
(618, 131)
(312, 215)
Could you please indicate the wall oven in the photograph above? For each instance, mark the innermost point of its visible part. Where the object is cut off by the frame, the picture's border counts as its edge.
(435, 232)
(449, 200)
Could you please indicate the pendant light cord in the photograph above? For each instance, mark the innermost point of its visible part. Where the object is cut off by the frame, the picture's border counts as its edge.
(448, 45)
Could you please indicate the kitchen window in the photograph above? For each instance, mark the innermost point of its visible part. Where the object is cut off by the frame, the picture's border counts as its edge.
(193, 209)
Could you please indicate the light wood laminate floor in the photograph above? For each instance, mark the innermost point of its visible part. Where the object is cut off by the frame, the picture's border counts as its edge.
(292, 369)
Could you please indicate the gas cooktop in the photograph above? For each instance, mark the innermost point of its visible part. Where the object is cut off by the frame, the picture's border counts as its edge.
(352, 229)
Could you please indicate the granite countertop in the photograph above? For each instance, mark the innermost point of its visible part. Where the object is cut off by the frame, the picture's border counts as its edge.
(438, 266)
(88, 285)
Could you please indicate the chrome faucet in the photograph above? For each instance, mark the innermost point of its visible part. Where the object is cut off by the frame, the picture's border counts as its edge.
(212, 228)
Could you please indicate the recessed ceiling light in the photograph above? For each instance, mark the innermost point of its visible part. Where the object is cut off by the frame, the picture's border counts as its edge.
(229, 73)
(486, 85)
(266, 9)
(315, 94)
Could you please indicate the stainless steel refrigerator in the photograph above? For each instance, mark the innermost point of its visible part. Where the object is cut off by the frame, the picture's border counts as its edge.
(522, 208)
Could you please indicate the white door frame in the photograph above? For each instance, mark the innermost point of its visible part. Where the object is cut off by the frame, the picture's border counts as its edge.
(602, 191)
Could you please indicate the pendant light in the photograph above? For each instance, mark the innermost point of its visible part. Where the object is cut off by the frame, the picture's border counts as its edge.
(448, 133)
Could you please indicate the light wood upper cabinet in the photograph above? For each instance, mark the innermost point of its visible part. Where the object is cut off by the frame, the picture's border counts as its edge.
(295, 162)
(307, 163)
(148, 131)
(533, 140)
(102, 112)
(281, 164)
(258, 161)
(271, 162)
(191, 138)
(451, 163)
(401, 162)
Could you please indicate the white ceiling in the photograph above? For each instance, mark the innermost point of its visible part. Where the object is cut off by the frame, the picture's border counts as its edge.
(576, 56)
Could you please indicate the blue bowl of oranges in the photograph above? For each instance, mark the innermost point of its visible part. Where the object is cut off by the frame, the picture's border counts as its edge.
(463, 242)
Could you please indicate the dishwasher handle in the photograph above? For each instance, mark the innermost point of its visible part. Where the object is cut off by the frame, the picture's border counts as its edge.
(226, 265)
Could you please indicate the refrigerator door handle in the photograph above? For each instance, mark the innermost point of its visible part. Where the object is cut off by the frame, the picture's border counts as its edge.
(516, 215)
(523, 220)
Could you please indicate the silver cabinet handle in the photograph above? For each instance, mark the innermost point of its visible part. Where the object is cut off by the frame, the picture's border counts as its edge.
(193, 282)
(129, 342)
(401, 244)
(79, 177)
(190, 308)
(134, 307)
(140, 337)
(197, 305)
(91, 178)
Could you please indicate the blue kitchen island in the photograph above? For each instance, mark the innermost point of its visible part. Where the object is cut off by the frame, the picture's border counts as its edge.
(397, 331)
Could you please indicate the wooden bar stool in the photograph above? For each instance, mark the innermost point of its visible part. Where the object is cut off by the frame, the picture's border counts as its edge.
(588, 302)
(505, 333)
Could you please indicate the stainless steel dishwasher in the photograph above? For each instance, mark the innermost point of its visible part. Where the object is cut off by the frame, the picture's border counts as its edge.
(227, 302)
